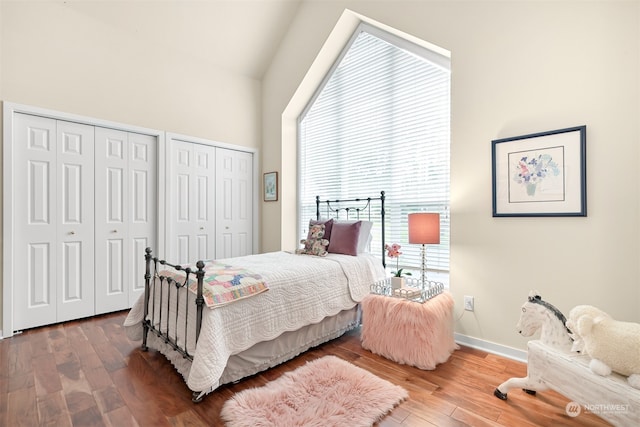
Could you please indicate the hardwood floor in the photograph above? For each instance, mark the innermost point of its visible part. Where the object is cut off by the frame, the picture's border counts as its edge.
(87, 373)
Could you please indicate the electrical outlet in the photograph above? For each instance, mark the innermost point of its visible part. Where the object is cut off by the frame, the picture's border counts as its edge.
(468, 303)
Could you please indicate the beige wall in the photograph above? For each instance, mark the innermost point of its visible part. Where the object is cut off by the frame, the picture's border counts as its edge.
(517, 68)
(114, 61)
(83, 58)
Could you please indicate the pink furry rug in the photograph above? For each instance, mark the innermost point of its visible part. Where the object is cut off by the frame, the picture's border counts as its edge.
(323, 393)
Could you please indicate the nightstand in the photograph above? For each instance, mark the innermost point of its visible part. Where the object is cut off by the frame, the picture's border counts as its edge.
(407, 332)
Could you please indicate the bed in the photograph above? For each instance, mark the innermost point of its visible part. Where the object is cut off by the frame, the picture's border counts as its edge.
(284, 304)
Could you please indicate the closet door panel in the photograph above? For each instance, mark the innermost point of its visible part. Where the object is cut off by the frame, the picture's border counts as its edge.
(75, 232)
(204, 210)
(225, 244)
(181, 248)
(138, 246)
(142, 206)
(192, 233)
(35, 247)
(181, 202)
(112, 187)
(114, 266)
(234, 191)
(40, 283)
(203, 202)
(54, 221)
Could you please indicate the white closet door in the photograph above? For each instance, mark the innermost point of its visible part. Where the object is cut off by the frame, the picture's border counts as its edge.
(126, 215)
(53, 255)
(75, 237)
(234, 195)
(36, 217)
(112, 187)
(192, 202)
(142, 208)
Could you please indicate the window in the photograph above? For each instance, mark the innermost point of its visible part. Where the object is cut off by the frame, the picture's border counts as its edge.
(380, 121)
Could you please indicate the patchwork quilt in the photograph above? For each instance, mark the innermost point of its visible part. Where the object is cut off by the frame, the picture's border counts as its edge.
(223, 283)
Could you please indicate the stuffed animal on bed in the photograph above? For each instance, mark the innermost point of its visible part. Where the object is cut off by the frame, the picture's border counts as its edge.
(612, 345)
(314, 244)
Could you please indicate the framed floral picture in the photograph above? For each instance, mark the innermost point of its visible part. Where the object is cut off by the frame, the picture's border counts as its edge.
(541, 174)
(270, 185)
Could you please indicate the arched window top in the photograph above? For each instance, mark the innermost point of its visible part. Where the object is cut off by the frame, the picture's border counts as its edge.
(366, 37)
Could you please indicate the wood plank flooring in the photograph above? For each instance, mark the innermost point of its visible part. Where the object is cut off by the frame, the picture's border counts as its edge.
(87, 373)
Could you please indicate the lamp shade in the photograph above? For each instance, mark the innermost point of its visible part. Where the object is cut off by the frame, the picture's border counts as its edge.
(424, 228)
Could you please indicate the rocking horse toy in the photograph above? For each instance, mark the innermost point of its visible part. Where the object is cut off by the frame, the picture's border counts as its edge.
(551, 363)
(538, 314)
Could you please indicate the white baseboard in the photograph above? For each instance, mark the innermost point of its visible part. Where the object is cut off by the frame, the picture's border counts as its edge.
(491, 347)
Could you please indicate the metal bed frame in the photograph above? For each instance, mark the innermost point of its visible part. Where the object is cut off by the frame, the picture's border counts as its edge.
(333, 206)
(157, 319)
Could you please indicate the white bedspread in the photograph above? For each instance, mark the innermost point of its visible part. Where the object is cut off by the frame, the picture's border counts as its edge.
(303, 290)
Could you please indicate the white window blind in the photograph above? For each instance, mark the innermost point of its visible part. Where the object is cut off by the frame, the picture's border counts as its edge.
(380, 122)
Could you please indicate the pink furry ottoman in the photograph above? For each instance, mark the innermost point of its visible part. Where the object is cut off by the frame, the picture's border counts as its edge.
(408, 332)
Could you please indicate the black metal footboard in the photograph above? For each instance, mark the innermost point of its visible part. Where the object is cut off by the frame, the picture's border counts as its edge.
(159, 300)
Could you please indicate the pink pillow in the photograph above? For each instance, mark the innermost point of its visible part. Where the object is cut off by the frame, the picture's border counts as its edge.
(344, 238)
(328, 223)
(365, 232)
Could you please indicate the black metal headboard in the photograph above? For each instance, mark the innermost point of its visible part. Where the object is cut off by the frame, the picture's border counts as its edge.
(355, 207)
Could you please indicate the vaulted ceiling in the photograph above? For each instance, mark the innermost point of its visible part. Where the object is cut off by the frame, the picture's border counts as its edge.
(239, 35)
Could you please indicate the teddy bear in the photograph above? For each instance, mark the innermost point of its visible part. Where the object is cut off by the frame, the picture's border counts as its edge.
(315, 243)
(614, 346)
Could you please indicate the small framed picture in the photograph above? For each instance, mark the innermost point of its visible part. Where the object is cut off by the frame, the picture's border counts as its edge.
(270, 182)
(541, 174)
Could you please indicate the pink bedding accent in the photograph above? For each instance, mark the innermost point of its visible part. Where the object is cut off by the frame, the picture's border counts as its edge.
(408, 332)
